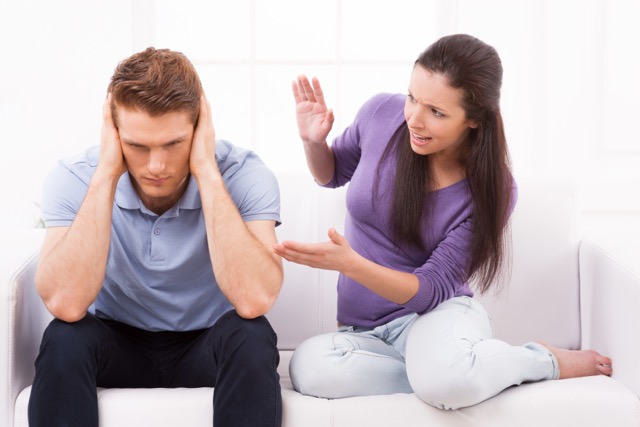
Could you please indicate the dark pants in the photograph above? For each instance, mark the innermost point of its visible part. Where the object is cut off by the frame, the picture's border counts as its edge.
(237, 356)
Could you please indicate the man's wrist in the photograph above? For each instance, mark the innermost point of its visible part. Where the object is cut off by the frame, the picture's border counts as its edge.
(207, 173)
(106, 176)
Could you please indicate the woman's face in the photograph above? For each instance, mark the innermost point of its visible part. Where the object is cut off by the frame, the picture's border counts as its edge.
(437, 123)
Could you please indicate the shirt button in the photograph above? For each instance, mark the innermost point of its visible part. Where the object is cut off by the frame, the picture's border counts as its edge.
(156, 231)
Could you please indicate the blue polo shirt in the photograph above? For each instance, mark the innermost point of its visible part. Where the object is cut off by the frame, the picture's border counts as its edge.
(159, 275)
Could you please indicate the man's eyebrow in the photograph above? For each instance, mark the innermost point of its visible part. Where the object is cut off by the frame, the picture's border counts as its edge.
(180, 138)
(128, 141)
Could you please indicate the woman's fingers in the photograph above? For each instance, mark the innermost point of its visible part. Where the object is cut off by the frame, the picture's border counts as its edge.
(306, 90)
(317, 89)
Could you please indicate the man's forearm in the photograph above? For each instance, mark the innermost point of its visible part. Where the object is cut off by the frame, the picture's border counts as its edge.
(72, 266)
(248, 274)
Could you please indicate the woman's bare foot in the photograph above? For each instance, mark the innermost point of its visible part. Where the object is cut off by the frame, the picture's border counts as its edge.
(580, 363)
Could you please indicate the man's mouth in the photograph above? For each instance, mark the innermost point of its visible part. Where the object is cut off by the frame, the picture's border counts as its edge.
(156, 181)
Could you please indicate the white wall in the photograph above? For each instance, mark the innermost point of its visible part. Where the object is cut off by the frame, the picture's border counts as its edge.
(569, 97)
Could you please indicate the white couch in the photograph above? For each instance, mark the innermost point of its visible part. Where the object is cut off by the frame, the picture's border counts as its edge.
(563, 290)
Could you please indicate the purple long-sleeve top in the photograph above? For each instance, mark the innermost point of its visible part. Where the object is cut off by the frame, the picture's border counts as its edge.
(440, 266)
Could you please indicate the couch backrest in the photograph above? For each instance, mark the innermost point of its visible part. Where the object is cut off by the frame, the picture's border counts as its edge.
(540, 301)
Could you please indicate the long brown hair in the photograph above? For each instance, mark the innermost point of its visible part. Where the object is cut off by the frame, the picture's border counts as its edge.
(156, 81)
(474, 67)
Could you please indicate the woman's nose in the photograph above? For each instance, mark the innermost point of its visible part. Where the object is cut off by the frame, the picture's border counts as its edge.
(415, 119)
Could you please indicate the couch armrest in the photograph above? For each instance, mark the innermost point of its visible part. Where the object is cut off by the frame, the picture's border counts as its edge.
(23, 316)
(610, 310)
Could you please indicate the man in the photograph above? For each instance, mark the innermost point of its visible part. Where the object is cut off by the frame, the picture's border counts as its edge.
(157, 262)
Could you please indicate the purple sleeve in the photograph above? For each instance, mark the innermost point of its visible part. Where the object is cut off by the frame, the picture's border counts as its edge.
(346, 147)
(444, 273)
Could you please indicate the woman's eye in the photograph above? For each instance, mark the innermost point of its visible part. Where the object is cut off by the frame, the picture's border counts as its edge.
(436, 112)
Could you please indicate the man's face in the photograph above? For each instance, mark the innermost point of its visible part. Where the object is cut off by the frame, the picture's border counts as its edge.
(156, 151)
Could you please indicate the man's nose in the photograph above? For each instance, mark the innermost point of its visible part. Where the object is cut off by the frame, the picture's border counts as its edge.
(157, 162)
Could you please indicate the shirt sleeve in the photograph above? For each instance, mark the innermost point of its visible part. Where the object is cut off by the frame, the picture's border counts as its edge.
(444, 272)
(62, 195)
(255, 191)
(346, 147)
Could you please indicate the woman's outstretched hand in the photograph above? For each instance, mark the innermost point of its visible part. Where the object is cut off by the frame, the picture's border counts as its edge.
(332, 255)
(314, 118)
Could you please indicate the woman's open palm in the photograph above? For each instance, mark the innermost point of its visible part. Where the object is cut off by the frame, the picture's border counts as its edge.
(314, 118)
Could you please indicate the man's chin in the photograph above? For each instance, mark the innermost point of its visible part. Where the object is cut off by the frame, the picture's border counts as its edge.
(156, 193)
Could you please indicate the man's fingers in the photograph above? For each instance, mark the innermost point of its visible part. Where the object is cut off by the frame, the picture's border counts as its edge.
(106, 106)
(204, 110)
(108, 124)
(106, 109)
(204, 119)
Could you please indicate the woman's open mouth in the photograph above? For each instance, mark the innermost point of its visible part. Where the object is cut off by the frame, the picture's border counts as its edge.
(419, 140)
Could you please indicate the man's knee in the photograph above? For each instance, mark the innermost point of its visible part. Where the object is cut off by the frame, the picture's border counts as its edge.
(64, 342)
(231, 323)
(253, 338)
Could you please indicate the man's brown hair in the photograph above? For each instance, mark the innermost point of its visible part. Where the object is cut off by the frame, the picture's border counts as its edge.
(156, 81)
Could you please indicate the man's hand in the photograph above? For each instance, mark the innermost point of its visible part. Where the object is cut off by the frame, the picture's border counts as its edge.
(111, 158)
(314, 119)
(203, 145)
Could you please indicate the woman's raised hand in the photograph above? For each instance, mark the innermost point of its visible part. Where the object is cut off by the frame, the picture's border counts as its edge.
(314, 118)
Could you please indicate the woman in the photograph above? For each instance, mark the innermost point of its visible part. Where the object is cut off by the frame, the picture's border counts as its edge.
(428, 203)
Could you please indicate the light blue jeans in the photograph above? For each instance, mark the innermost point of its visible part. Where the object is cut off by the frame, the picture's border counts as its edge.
(448, 357)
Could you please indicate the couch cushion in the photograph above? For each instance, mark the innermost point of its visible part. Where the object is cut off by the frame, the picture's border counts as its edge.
(541, 300)
(592, 401)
